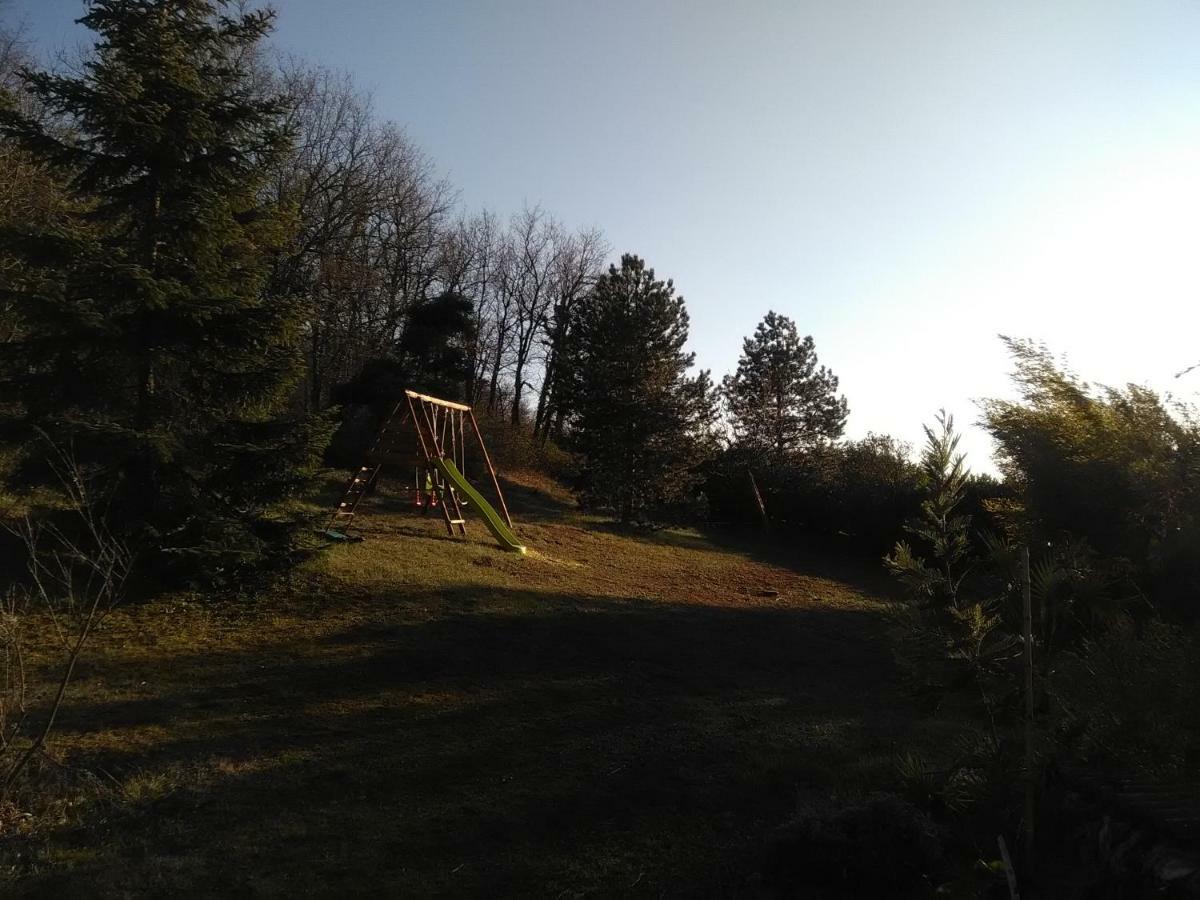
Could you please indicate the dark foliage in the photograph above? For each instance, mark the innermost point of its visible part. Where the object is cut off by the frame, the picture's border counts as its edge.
(1116, 468)
(147, 344)
(432, 356)
(858, 492)
(641, 424)
(881, 846)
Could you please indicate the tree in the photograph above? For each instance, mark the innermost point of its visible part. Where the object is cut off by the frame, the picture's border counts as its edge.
(940, 525)
(433, 356)
(577, 266)
(372, 241)
(537, 244)
(330, 178)
(478, 240)
(29, 192)
(952, 639)
(1116, 467)
(640, 422)
(148, 343)
(779, 400)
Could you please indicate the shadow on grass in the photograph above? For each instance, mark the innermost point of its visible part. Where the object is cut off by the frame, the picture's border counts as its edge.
(664, 537)
(528, 502)
(511, 743)
(809, 555)
(803, 554)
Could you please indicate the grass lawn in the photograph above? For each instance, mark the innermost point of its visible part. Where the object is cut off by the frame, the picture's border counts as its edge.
(611, 715)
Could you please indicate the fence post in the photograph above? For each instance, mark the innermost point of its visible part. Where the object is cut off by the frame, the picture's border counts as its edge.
(1030, 776)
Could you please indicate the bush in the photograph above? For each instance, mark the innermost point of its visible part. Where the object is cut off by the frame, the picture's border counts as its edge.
(1127, 698)
(881, 846)
(861, 492)
(1115, 467)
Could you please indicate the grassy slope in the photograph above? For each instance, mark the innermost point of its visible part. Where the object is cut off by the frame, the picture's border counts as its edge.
(611, 714)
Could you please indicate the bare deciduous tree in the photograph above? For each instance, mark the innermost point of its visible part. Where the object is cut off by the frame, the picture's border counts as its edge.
(377, 238)
(536, 241)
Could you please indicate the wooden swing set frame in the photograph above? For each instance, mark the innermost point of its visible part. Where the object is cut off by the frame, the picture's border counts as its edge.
(441, 434)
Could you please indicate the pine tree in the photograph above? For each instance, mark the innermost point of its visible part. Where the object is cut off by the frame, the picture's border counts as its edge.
(950, 638)
(149, 345)
(940, 526)
(779, 400)
(640, 422)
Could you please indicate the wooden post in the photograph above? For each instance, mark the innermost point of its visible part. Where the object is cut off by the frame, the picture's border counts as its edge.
(1009, 872)
(1030, 775)
(420, 431)
(437, 451)
(762, 509)
(491, 469)
(462, 444)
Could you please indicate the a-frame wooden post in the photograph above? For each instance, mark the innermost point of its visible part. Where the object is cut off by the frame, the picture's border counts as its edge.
(491, 469)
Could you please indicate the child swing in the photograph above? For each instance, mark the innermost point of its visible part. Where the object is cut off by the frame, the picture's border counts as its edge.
(427, 489)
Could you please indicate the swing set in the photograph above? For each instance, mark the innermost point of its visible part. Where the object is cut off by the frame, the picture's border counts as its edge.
(440, 427)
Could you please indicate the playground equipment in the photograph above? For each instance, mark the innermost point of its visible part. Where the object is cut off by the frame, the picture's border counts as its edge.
(440, 427)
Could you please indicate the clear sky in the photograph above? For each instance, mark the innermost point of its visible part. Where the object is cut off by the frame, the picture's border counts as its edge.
(904, 179)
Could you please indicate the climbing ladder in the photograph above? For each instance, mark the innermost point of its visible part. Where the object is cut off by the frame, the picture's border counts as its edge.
(343, 513)
(384, 447)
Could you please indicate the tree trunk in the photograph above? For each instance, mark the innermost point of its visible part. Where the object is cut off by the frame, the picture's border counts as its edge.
(541, 424)
(147, 330)
(556, 430)
(494, 385)
(314, 386)
(518, 386)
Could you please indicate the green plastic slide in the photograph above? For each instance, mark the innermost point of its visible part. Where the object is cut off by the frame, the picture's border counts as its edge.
(500, 531)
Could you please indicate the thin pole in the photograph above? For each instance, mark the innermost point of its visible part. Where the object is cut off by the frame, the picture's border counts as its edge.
(491, 469)
(441, 495)
(762, 510)
(420, 431)
(462, 445)
(1030, 785)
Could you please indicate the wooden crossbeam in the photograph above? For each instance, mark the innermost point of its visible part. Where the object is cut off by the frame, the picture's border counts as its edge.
(437, 401)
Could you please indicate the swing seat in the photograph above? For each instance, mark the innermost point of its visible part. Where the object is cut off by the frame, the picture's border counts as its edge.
(340, 536)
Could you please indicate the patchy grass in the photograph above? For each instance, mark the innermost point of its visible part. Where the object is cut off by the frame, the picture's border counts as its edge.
(613, 714)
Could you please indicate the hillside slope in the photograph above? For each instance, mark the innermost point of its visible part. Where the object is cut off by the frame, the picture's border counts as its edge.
(611, 714)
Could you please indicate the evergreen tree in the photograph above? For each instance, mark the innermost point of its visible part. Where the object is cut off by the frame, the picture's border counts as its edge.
(641, 423)
(940, 526)
(950, 639)
(779, 400)
(148, 343)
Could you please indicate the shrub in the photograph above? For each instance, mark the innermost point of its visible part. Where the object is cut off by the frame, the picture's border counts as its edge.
(860, 492)
(1127, 698)
(515, 447)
